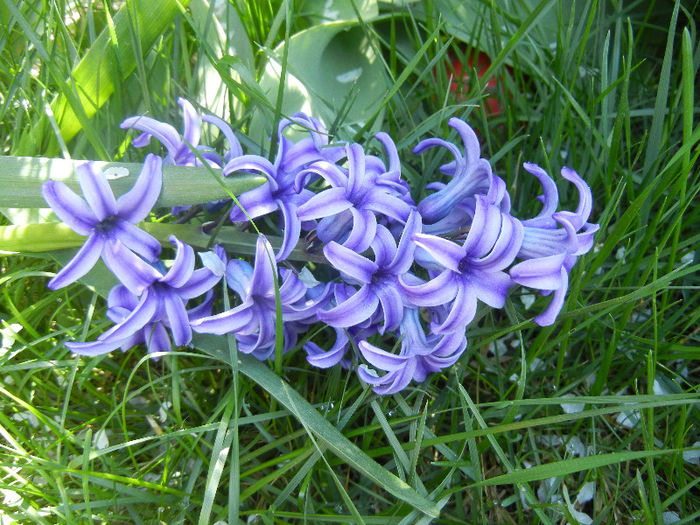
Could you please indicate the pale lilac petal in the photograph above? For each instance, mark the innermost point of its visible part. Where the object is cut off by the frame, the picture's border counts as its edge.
(231, 321)
(136, 239)
(445, 252)
(462, 312)
(96, 191)
(239, 277)
(392, 307)
(264, 270)
(253, 204)
(120, 296)
(356, 169)
(435, 292)
(364, 229)
(234, 146)
(291, 229)
(389, 205)
(68, 207)
(403, 257)
(317, 357)
(132, 271)
(356, 309)
(543, 273)
(393, 155)
(550, 198)
(334, 175)
(177, 319)
(135, 205)
(202, 280)
(254, 163)
(350, 262)
(472, 149)
(183, 266)
(401, 379)
(329, 202)
(156, 338)
(382, 359)
(137, 319)
(383, 246)
(490, 287)
(192, 128)
(506, 247)
(94, 348)
(484, 230)
(585, 200)
(81, 263)
(165, 133)
(548, 317)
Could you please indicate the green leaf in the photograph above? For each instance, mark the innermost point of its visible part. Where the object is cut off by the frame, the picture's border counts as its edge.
(323, 430)
(329, 66)
(21, 179)
(104, 66)
(569, 466)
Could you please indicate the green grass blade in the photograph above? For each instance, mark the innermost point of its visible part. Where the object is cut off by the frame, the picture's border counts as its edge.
(322, 429)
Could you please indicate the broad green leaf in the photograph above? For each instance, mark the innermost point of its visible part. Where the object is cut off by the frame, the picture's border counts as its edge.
(323, 430)
(51, 236)
(21, 179)
(324, 11)
(103, 67)
(329, 67)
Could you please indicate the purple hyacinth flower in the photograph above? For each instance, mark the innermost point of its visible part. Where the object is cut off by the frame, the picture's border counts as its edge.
(279, 192)
(379, 279)
(161, 308)
(109, 224)
(419, 356)
(179, 147)
(451, 206)
(253, 321)
(347, 209)
(553, 240)
(472, 271)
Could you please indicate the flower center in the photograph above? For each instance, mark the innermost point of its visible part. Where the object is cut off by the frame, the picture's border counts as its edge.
(106, 224)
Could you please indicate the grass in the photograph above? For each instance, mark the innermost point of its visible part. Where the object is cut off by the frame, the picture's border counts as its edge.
(527, 417)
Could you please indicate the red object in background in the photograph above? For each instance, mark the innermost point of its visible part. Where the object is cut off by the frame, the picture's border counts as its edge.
(460, 84)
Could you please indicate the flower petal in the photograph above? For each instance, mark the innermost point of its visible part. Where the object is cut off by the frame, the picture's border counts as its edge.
(81, 263)
(132, 271)
(165, 133)
(445, 252)
(291, 230)
(136, 239)
(135, 205)
(382, 359)
(177, 318)
(69, 207)
(462, 312)
(231, 321)
(137, 319)
(96, 191)
(350, 262)
(364, 228)
(548, 317)
(542, 273)
(392, 307)
(329, 202)
(183, 266)
(435, 292)
(353, 311)
(94, 348)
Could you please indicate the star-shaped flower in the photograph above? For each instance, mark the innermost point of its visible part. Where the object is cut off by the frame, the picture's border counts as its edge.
(109, 224)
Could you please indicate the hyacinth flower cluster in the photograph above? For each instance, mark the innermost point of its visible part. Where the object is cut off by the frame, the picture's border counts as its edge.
(402, 280)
